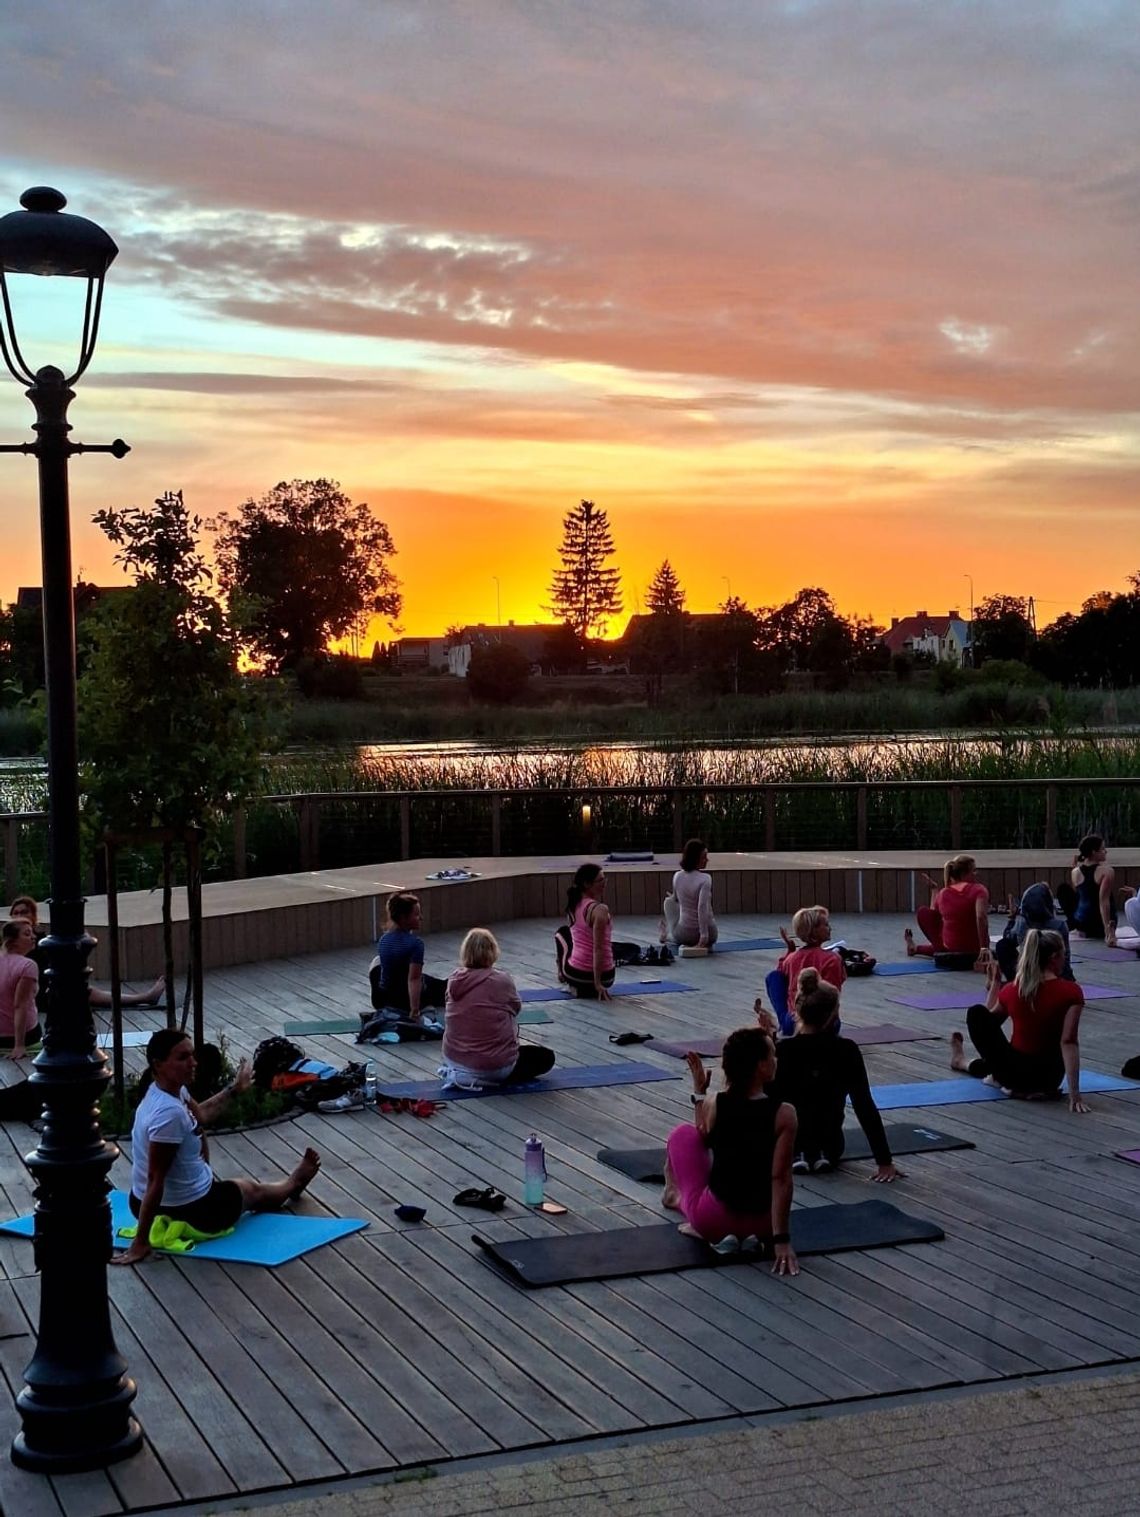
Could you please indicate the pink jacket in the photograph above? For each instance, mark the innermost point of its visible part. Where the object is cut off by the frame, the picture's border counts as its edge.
(480, 1031)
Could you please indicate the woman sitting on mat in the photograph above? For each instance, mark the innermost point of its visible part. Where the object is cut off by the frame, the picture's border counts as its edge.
(480, 1035)
(812, 925)
(25, 909)
(170, 1158)
(1045, 1010)
(1087, 897)
(396, 974)
(730, 1170)
(1038, 909)
(587, 963)
(816, 1072)
(19, 981)
(958, 917)
(688, 919)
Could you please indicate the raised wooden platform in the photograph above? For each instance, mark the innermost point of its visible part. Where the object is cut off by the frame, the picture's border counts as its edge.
(401, 1347)
(283, 915)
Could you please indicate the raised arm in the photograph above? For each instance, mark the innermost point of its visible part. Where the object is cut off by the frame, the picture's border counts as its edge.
(1071, 1055)
(982, 917)
(785, 1262)
(23, 1015)
(208, 1111)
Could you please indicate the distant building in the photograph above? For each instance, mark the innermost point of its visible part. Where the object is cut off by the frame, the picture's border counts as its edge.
(945, 638)
(418, 655)
(529, 639)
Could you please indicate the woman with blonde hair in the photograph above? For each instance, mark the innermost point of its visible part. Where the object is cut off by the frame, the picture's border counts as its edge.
(957, 921)
(480, 1031)
(1045, 1010)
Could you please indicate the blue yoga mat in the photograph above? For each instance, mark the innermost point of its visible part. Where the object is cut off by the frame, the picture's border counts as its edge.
(745, 945)
(260, 1237)
(963, 1089)
(574, 1077)
(620, 988)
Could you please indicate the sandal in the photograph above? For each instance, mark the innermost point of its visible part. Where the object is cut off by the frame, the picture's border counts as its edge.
(624, 1039)
(487, 1199)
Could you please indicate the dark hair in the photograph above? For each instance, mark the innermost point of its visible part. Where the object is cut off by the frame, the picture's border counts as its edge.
(163, 1043)
(1090, 844)
(744, 1049)
(691, 855)
(584, 877)
(401, 904)
(11, 930)
(816, 1000)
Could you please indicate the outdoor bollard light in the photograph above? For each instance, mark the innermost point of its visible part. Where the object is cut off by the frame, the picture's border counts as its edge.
(75, 1407)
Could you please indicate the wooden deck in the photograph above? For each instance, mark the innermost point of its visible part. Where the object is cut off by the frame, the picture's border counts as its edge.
(400, 1346)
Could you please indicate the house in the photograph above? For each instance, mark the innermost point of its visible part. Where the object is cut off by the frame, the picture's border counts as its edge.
(530, 639)
(945, 638)
(418, 655)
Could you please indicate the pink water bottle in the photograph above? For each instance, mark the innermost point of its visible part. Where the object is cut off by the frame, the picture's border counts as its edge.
(534, 1171)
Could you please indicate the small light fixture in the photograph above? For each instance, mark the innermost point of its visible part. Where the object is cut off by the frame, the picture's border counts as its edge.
(586, 814)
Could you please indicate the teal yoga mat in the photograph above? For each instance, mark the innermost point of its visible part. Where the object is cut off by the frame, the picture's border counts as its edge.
(573, 1077)
(339, 1026)
(963, 1090)
(266, 1237)
(744, 945)
(620, 988)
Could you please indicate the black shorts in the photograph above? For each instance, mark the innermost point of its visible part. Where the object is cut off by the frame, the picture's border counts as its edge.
(215, 1212)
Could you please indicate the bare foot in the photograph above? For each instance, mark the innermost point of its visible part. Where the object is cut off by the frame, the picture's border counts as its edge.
(671, 1198)
(908, 938)
(958, 1059)
(662, 931)
(305, 1173)
(689, 1232)
(156, 993)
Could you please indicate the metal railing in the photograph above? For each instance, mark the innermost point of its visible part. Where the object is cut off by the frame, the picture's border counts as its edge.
(283, 834)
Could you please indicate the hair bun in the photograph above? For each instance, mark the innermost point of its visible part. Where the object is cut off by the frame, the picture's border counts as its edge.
(808, 980)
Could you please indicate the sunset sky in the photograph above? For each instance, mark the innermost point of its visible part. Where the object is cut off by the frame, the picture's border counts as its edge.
(835, 292)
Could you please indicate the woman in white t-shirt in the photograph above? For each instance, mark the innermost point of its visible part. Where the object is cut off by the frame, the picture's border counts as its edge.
(688, 915)
(170, 1158)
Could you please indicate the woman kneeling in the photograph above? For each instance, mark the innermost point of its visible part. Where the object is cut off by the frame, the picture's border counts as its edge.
(730, 1172)
(170, 1168)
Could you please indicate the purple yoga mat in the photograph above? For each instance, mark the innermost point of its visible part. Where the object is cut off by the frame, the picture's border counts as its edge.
(883, 1032)
(959, 1000)
(1131, 1154)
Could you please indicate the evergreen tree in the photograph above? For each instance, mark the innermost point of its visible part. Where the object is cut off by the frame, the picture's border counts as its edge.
(665, 596)
(584, 592)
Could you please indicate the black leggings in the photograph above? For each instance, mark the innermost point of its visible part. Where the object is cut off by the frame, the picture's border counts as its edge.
(1026, 1073)
(433, 993)
(533, 1062)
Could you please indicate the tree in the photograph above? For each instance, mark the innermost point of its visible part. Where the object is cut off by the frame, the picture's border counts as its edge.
(664, 596)
(807, 633)
(303, 565)
(1001, 629)
(497, 673)
(563, 651)
(584, 592)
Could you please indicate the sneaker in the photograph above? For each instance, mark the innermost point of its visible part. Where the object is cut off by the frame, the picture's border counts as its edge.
(751, 1245)
(821, 1166)
(800, 1165)
(729, 1244)
(352, 1100)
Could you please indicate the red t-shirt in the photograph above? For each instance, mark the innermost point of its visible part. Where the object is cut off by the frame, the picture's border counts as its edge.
(829, 964)
(1037, 1028)
(960, 918)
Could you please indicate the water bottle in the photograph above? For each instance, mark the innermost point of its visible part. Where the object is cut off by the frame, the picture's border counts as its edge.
(370, 1083)
(534, 1171)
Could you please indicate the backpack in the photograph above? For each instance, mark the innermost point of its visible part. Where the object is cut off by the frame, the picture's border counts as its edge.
(272, 1057)
(857, 962)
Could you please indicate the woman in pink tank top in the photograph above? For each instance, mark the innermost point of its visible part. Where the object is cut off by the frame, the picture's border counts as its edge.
(589, 966)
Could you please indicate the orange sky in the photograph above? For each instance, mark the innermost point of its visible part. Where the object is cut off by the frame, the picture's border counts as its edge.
(833, 293)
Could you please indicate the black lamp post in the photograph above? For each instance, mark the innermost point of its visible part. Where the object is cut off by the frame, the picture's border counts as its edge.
(76, 1404)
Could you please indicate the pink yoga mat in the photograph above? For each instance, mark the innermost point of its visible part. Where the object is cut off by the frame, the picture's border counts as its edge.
(959, 1000)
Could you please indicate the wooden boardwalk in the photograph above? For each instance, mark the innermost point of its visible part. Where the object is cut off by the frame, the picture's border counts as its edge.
(400, 1346)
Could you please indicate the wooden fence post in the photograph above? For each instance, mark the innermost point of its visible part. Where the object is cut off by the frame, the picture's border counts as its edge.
(405, 826)
(955, 817)
(496, 825)
(768, 798)
(861, 817)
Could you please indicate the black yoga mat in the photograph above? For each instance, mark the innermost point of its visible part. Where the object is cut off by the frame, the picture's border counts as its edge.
(649, 1163)
(563, 1258)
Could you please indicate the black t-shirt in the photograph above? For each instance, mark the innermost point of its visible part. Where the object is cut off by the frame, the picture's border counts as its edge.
(742, 1140)
(815, 1073)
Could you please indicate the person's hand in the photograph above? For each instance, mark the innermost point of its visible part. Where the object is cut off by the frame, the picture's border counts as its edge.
(699, 1075)
(887, 1174)
(1077, 1104)
(242, 1079)
(766, 1018)
(703, 942)
(785, 1262)
(934, 884)
(603, 993)
(17, 1053)
(788, 943)
(137, 1252)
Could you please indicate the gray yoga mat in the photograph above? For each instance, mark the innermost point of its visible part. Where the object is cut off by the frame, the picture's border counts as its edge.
(652, 987)
(569, 1077)
(563, 1258)
(866, 1037)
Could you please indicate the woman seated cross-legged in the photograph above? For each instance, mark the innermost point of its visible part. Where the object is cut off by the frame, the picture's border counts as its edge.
(730, 1169)
(687, 917)
(1045, 1010)
(957, 921)
(480, 1032)
(170, 1158)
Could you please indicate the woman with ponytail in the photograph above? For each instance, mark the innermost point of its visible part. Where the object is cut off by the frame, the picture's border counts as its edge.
(957, 920)
(584, 948)
(1045, 1010)
(816, 1072)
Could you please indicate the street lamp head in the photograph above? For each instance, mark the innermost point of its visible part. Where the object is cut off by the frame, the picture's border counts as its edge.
(43, 239)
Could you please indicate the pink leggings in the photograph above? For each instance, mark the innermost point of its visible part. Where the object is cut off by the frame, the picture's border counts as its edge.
(690, 1161)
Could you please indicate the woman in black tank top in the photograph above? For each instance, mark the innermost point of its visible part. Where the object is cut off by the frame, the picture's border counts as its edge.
(730, 1170)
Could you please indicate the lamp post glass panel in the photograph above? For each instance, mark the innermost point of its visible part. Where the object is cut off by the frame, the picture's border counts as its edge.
(75, 1408)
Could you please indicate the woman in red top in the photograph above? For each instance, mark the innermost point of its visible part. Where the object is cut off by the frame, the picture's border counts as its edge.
(1045, 1010)
(958, 917)
(812, 925)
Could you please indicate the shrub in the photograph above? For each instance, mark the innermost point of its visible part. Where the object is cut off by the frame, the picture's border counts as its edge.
(498, 673)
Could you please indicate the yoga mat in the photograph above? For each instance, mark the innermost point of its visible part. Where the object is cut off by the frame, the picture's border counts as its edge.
(917, 965)
(333, 1028)
(260, 1238)
(883, 1032)
(959, 1000)
(745, 945)
(648, 1164)
(1123, 953)
(1131, 1154)
(131, 1039)
(574, 1077)
(620, 988)
(562, 1258)
(963, 1089)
